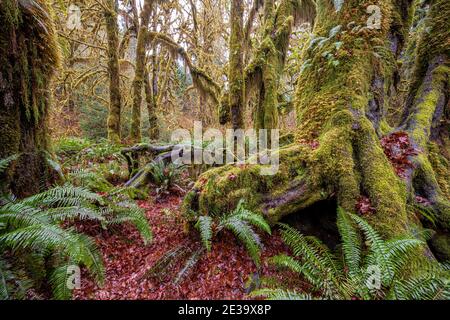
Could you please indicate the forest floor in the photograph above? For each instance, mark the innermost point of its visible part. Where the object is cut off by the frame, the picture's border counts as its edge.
(223, 273)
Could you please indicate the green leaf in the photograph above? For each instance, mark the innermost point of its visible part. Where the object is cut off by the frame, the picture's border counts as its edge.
(204, 225)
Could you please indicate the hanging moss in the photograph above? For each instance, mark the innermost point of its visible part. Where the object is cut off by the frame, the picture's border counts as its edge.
(235, 66)
(332, 97)
(432, 42)
(28, 56)
(138, 81)
(264, 71)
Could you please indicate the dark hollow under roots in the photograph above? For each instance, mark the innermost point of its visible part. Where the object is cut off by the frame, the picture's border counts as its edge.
(318, 220)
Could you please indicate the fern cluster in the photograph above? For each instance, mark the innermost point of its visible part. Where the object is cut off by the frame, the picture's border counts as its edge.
(240, 222)
(365, 267)
(164, 176)
(32, 227)
(35, 247)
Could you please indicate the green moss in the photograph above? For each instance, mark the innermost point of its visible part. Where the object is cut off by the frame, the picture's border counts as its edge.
(433, 42)
(138, 81)
(115, 100)
(441, 167)
(12, 14)
(235, 66)
(333, 165)
(422, 117)
(385, 128)
(441, 246)
(269, 60)
(331, 101)
(220, 189)
(25, 79)
(385, 190)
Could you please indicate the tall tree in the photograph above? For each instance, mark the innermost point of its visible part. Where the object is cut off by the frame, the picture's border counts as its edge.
(348, 70)
(263, 73)
(139, 74)
(28, 57)
(115, 98)
(235, 73)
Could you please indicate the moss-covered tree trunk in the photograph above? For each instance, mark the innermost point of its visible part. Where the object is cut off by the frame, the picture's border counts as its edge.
(264, 71)
(348, 71)
(28, 56)
(427, 121)
(139, 72)
(151, 88)
(235, 73)
(115, 99)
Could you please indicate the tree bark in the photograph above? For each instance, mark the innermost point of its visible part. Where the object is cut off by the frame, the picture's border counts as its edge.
(264, 71)
(115, 99)
(138, 82)
(28, 57)
(151, 101)
(235, 72)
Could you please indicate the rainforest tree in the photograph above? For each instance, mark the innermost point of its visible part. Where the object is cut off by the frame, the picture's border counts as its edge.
(235, 73)
(138, 81)
(29, 54)
(115, 98)
(349, 70)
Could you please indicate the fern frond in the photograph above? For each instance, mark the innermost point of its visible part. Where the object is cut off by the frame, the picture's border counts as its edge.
(75, 212)
(4, 163)
(399, 251)
(63, 196)
(286, 261)
(445, 265)
(427, 213)
(189, 265)
(378, 248)
(167, 261)
(245, 234)
(78, 247)
(20, 215)
(204, 226)
(351, 243)
(424, 287)
(59, 282)
(326, 257)
(129, 211)
(280, 294)
(251, 217)
(301, 248)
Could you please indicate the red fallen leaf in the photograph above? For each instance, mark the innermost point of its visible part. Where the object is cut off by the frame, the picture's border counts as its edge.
(364, 207)
(219, 275)
(423, 201)
(313, 144)
(398, 148)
